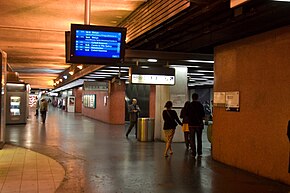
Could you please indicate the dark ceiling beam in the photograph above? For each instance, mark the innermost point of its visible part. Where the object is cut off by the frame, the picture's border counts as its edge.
(199, 30)
(257, 20)
(177, 25)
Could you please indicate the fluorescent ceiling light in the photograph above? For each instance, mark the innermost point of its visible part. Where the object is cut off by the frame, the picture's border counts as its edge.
(200, 61)
(116, 67)
(209, 77)
(73, 84)
(172, 66)
(107, 73)
(112, 70)
(193, 66)
(152, 60)
(197, 79)
(98, 75)
(282, 0)
(145, 67)
(207, 71)
(195, 74)
(15, 84)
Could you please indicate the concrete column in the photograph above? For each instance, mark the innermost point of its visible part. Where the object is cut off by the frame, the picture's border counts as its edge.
(178, 95)
(162, 95)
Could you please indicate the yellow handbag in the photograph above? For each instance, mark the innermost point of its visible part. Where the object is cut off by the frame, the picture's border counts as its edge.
(185, 127)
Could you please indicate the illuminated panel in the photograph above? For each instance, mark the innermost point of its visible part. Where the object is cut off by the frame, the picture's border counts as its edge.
(98, 44)
(152, 79)
(91, 44)
(152, 75)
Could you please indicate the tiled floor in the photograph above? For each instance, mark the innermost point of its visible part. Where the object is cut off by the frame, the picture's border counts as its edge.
(25, 171)
(98, 158)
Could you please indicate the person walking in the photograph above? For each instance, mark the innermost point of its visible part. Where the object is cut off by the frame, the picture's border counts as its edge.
(195, 121)
(185, 128)
(37, 107)
(170, 118)
(134, 112)
(43, 109)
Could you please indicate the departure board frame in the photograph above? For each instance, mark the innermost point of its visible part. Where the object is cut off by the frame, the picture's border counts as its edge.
(91, 44)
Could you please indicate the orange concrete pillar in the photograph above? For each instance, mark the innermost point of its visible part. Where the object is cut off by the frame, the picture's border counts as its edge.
(255, 138)
(78, 93)
(116, 103)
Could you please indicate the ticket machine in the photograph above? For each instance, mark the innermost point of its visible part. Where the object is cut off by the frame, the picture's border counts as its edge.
(16, 104)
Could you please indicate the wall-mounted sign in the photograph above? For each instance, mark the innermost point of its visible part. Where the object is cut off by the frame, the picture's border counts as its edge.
(106, 100)
(89, 101)
(219, 99)
(94, 85)
(233, 101)
(178, 100)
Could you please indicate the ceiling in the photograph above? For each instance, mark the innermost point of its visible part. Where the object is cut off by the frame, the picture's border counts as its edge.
(32, 32)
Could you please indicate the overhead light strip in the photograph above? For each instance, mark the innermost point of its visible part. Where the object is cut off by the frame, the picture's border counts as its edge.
(200, 61)
(205, 71)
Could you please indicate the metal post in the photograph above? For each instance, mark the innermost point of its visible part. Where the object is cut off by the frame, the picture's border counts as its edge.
(87, 12)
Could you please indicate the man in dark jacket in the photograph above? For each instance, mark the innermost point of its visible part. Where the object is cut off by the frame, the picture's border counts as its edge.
(134, 111)
(195, 121)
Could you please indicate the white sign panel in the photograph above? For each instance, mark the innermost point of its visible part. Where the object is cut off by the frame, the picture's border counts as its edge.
(153, 79)
(178, 100)
(219, 98)
(232, 100)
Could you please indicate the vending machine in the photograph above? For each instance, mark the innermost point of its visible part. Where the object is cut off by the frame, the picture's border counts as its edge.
(16, 104)
(70, 104)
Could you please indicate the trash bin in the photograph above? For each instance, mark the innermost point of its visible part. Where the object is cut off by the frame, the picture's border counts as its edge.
(209, 131)
(145, 129)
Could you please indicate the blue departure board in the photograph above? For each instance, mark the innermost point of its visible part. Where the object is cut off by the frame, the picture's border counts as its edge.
(98, 44)
(90, 44)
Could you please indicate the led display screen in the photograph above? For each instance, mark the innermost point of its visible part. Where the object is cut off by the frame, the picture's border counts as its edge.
(97, 44)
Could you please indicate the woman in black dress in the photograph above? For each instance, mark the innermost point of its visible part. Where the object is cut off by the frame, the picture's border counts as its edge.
(170, 118)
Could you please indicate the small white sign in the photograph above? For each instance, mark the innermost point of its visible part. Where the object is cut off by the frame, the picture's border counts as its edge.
(232, 99)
